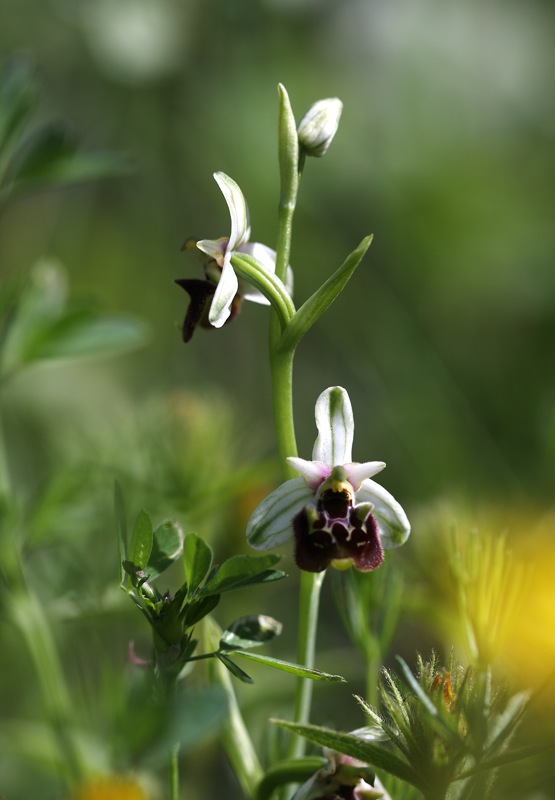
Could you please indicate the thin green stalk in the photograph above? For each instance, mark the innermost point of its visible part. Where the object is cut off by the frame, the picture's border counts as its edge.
(373, 667)
(173, 773)
(234, 734)
(309, 603)
(4, 471)
(29, 616)
(281, 365)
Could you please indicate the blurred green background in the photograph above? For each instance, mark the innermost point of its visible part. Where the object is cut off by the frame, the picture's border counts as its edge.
(445, 336)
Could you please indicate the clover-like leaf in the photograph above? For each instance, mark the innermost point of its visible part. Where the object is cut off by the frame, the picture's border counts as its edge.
(197, 609)
(140, 545)
(236, 671)
(287, 666)
(250, 631)
(197, 559)
(167, 547)
(240, 571)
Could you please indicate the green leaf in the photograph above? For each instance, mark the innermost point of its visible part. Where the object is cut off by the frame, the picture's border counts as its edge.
(240, 571)
(84, 333)
(295, 770)
(50, 156)
(273, 289)
(375, 755)
(287, 666)
(199, 714)
(504, 725)
(236, 671)
(41, 329)
(121, 522)
(509, 757)
(154, 727)
(197, 609)
(18, 97)
(197, 559)
(141, 540)
(322, 298)
(251, 631)
(41, 300)
(167, 547)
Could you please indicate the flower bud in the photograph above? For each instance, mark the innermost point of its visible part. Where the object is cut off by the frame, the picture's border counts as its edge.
(319, 125)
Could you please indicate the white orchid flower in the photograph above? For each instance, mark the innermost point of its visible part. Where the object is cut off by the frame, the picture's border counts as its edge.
(337, 514)
(220, 270)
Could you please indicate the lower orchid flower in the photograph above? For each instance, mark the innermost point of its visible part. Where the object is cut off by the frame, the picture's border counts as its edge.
(337, 515)
(217, 299)
(342, 778)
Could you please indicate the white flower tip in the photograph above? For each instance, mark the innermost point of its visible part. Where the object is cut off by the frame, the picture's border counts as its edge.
(319, 125)
(356, 473)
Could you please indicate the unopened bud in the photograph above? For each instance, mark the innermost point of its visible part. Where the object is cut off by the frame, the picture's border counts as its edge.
(319, 125)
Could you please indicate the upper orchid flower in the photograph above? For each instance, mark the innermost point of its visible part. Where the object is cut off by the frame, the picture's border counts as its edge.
(222, 284)
(339, 517)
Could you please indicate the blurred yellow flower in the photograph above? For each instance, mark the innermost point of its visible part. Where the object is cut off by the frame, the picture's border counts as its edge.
(110, 788)
(531, 648)
(492, 581)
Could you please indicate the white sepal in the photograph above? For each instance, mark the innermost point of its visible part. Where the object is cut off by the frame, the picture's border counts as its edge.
(392, 521)
(335, 423)
(270, 522)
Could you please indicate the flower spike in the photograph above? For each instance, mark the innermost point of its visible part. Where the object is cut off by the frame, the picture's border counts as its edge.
(337, 515)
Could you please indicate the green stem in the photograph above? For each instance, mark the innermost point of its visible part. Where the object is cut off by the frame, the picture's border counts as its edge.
(281, 366)
(173, 773)
(29, 616)
(234, 734)
(311, 583)
(5, 482)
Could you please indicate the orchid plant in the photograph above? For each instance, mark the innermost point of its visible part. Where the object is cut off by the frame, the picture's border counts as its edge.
(337, 515)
